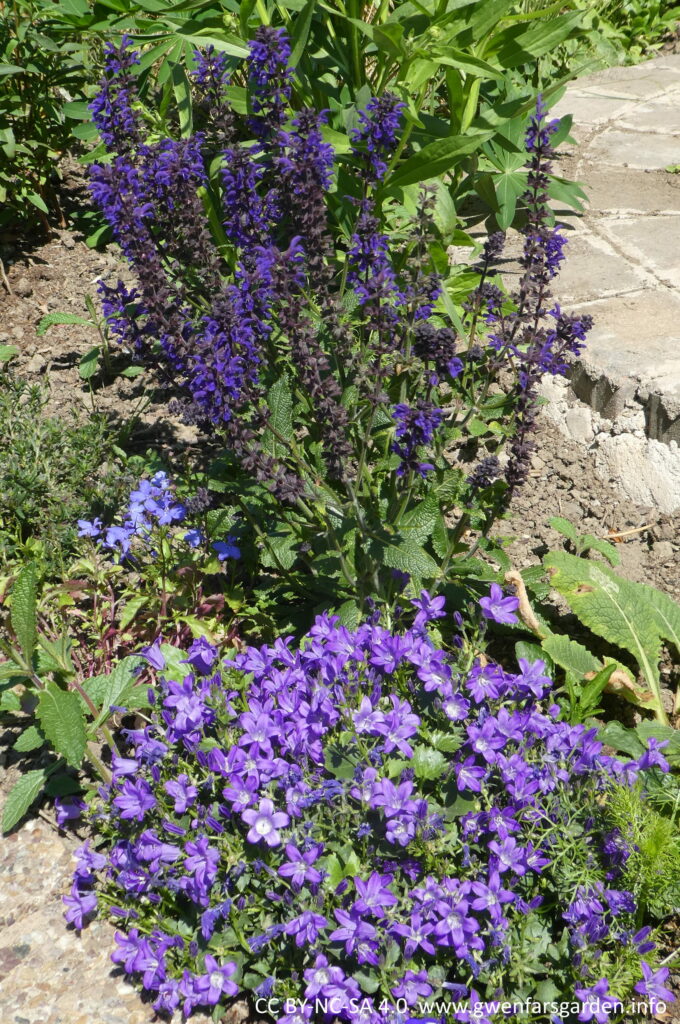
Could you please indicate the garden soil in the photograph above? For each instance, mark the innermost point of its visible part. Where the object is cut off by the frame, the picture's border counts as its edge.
(48, 975)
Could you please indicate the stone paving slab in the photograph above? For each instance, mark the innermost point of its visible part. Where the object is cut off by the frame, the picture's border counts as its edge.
(623, 262)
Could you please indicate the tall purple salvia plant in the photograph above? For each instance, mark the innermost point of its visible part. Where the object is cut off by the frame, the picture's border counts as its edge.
(323, 356)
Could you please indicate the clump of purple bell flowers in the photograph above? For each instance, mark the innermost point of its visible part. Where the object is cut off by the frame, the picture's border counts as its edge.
(459, 790)
(153, 507)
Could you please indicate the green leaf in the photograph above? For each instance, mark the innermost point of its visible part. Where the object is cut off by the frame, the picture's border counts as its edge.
(118, 682)
(182, 91)
(611, 607)
(60, 318)
(22, 796)
(174, 669)
(226, 44)
(436, 158)
(131, 608)
(55, 655)
(588, 542)
(10, 701)
(570, 655)
(30, 739)
(37, 201)
(61, 719)
(87, 367)
(280, 422)
(419, 522)
(518, 44)
(410, 558)
(617, 736)
(23, 611)
(132, 371)
(280, 551)
(300, 33)
(474, 66)
(654, 730)
(533, 652)
(8, 352)
(665, 611)
(428, 763)
(563, 526)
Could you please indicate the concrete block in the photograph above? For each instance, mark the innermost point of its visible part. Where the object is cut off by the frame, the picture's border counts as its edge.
(592, 270)
(647, 471)
(651, 240)
(617, 148)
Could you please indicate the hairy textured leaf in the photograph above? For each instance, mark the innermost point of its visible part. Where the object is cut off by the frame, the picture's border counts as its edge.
(23, 611)
(61, 719)
(410, 558)
(619, 737)
(60, 318)
(611, 607)
(30, 739)
(570, 655)
(419, 522)
(428, 763)
(22, 796)
(280, 423)
(665, 611)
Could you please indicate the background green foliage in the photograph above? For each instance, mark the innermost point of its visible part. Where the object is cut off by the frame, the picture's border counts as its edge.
(53, 471)
(468, 72)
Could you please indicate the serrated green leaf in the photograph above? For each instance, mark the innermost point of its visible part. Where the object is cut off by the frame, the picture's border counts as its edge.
(10, 701)
(280, 423)
(589, 542)
(30, 739)
(280, 552)
(428, 763)
(61, 719)
(22, 796)
(132, 371)
(419, 522)
(23, 611)
(408, 557)
(60, 318)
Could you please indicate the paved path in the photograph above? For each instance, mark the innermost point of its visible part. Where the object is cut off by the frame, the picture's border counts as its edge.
(623, 262)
